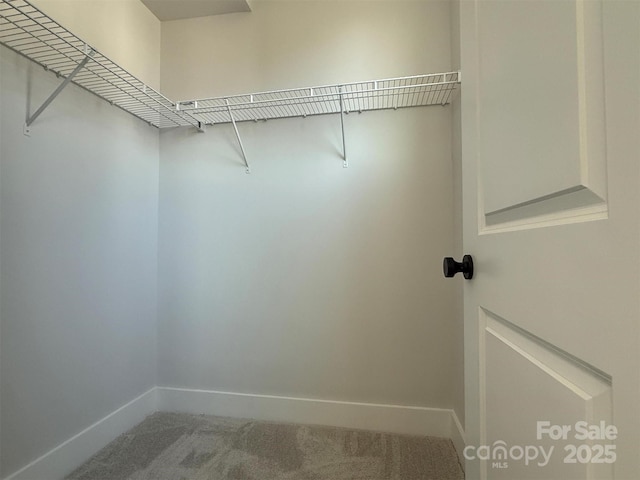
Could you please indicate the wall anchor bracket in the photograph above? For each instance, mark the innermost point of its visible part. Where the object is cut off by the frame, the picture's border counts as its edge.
(235, 127)
(88, 54)
(345, 162)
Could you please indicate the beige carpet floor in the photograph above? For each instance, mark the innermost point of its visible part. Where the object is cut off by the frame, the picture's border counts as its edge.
(172, 446)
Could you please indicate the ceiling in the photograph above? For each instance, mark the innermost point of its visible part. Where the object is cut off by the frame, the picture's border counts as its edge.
(181, 9)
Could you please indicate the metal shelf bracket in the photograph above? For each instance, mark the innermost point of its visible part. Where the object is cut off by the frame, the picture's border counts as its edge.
(345, 162)
(88, 54)
(235, 127)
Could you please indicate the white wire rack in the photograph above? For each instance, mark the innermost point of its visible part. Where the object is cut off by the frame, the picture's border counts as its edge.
(392, 93)
(29, 32)
(402, 92)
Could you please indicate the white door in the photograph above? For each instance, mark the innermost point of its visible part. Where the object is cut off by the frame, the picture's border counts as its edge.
(550, 129)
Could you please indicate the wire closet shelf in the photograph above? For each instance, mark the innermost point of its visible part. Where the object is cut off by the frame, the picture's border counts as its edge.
(29, 32)
(391, 93)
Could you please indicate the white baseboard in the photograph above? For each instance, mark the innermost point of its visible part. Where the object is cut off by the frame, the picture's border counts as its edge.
(67, 456)
(458, 437)
(435, 422)
(411, 420)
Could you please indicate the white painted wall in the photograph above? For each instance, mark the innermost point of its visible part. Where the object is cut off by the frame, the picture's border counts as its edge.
(289, 44)
(78, 230)
(305, 279)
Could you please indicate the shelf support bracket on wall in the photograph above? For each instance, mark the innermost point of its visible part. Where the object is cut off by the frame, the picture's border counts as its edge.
(235, 127)
(88, 54)
(200, 126)
(345, 163)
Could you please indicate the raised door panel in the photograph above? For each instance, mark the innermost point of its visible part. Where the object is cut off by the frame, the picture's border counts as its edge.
(541, 113)
(543, 403)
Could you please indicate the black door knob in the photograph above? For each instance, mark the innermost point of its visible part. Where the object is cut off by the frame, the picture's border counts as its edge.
(451, 267)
